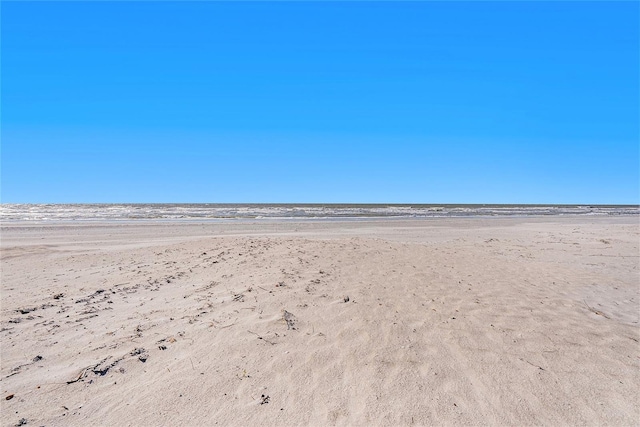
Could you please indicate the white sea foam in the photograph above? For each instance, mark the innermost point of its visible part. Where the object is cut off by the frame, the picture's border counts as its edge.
(89, 212)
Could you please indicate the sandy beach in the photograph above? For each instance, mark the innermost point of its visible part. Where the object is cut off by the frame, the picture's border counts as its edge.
(470, 321)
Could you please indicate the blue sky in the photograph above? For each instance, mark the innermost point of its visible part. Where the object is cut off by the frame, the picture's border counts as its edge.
(432, 102)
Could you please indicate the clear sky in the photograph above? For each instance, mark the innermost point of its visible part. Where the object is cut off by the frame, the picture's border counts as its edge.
(432, 102)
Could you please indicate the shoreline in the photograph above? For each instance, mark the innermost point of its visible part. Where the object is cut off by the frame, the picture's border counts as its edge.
(267, 220)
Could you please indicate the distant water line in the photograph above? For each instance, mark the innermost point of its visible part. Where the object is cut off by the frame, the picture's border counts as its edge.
(204, 211)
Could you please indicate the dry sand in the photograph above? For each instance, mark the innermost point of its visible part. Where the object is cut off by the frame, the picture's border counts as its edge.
(511, 321)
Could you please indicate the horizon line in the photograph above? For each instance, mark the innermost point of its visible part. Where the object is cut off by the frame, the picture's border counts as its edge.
(325, 203)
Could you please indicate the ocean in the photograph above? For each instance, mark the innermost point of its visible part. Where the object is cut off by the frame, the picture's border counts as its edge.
(221, 211)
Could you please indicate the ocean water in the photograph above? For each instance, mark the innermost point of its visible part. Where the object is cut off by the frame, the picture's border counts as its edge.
(212, 211)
